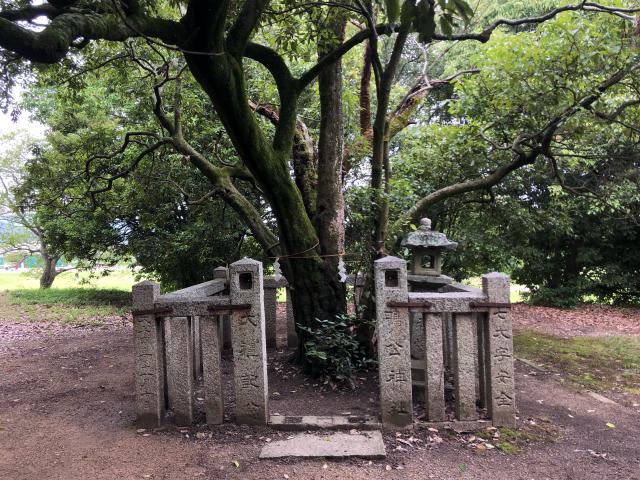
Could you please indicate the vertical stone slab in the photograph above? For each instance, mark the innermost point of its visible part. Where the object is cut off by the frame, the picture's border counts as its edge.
(149, 364)
(249, 342)
(434, 367)
(464, 371)
(499, 352)
(394, 348)
(197, 347)
(270, 306)
(417, 336)
(211, 369)
(447, 339)
(481, 319)
(180, 369)
(292, 336)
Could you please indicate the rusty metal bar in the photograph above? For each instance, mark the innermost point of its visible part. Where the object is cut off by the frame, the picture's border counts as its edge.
(153, 311)
(489, 305)
(228, 308)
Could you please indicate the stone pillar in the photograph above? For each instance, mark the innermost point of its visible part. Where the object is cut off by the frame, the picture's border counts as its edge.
(434, 367)
(149, 357)
(224, 327)
(197, 348)
(221, 272)
(270, 307)
(292, 336)
(180, 369)
(481, 319)
(417, 336)
(501, 399)
(447, 338)
(211, 369)
(394, 348)
(249, 342)
(464, 371)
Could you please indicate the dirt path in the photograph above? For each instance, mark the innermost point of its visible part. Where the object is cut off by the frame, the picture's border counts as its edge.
(66, 412)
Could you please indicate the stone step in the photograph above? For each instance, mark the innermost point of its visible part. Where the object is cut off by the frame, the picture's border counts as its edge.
(324, 422)
(334, 445)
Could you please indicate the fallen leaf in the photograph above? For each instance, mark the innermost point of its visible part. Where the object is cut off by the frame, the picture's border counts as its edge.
(610, 425)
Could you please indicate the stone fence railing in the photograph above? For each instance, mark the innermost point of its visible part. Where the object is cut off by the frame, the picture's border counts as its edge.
(461, 337)
(179, 336)
(461, 331)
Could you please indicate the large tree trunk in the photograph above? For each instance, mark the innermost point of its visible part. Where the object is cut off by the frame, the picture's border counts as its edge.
(316, 291)
(330, 201)
(49, 272)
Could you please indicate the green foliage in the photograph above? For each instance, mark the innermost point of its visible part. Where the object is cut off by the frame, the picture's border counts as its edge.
(334, 351)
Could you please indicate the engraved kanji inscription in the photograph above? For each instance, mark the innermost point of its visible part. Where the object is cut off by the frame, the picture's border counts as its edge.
(503, 376)
(390, 316)
(399, 376)
(504, 400)
(501, 353)
(393, 349)
(248, 380)
(501, 332)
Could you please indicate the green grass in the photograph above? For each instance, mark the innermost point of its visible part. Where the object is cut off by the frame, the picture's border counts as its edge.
(70, 296)
(74, 299)
(598, 363)
(119, 280)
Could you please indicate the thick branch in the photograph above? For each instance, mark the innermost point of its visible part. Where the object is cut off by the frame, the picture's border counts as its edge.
(52, 43)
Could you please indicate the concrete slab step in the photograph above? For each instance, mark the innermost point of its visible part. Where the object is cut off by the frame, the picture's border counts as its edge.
(324, 422)
(335, 445)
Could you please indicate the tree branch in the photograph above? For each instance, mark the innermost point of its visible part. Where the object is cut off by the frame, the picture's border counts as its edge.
(542, 140)
(53, 43)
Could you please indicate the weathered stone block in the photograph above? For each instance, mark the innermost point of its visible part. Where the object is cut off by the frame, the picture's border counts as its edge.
(496, 287)
(180, 369)
(292, 336)
(249, 342)
(499, 365)
(434, 367)
(211, 369)
(498, 352)
(417, 336)
(270, 307)
(197, 347)
(221, 272)
(464, 366)
(394, 348)
(148, 350)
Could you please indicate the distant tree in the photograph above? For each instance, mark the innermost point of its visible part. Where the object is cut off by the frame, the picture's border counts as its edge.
(21, 230)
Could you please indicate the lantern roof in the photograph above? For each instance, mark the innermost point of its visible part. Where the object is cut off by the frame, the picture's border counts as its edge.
(426, 238)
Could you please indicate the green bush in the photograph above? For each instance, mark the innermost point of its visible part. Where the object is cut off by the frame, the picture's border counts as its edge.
(333, 350)
(568, 296)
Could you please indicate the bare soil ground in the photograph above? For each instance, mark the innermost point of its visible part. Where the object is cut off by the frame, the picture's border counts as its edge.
(587, 320)
(66, 412)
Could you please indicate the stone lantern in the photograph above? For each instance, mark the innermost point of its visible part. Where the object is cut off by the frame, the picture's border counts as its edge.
(426, 247)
